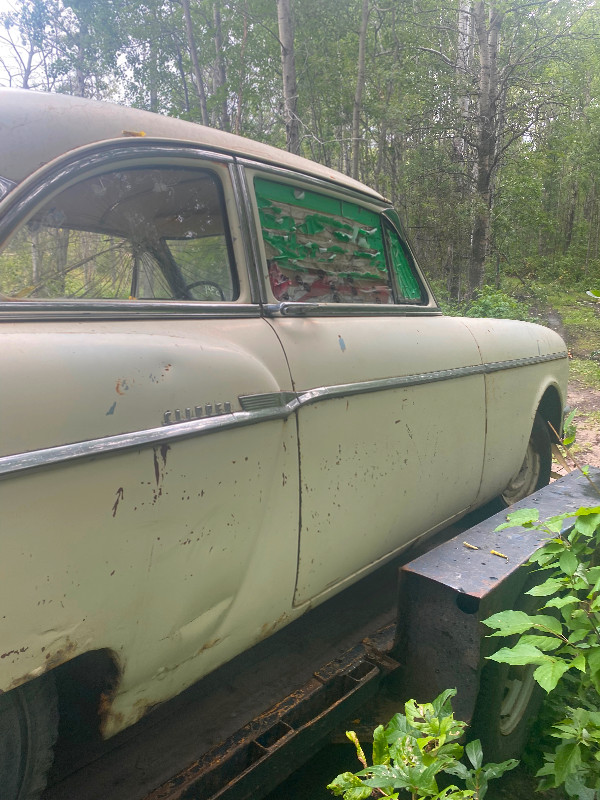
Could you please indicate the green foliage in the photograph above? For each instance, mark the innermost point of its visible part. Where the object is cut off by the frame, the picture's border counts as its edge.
(490, 302)
(412, 751)
(564, 640)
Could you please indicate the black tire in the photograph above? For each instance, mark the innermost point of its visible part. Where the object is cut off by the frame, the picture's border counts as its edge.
(537, 464)
(28, 729)
(504, 731)
(509, 699)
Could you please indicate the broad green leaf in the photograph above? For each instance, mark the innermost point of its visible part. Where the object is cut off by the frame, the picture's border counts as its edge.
(381, 752)
(543, 621)
(351, 787)
(548, 587)
(521, 517)
(568, 562)
(588, 520)
(459, 770)
(550, 672)
(593, 659)
(496, 770)
(520, 655)
(441, 704)
(509, 622)
(578, 663)
(566, 761)
(545, 643)
(474, 753)
(575, 787)
(560, 602)
(579, 634)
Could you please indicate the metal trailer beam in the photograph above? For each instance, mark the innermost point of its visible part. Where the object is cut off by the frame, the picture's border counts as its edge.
(445, 593)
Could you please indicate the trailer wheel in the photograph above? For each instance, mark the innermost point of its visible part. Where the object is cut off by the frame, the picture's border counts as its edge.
(509, 698)
(535, 469)
(28, 729)
(508, 702)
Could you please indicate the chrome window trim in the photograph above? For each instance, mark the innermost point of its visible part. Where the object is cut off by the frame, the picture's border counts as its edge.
(321, 184)
(255, 261)
(243, 207)
(256, 408)
(73, 310)
(71, 166)
(291, 309)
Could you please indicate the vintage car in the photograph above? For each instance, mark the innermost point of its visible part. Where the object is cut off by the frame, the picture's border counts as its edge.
(227, 393)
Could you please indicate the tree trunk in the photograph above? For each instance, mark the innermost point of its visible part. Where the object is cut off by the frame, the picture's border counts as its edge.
(487, 137)
(198, 80)
(220, 78)
(288, 63)
(360, 83)
(464, 58)
(238, 115)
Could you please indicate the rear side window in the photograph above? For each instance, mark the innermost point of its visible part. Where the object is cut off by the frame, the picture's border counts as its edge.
(137, 233)
(320, 248)
(409, 289)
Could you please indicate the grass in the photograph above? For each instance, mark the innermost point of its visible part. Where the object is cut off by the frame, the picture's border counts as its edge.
(585, 371)
(581, 319)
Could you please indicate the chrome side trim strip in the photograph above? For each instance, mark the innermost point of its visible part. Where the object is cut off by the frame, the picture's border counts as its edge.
(77, 310)
(255, 409)
(137, 439)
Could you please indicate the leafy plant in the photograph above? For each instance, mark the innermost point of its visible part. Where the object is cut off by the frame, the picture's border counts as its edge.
(412, 751)
(566, 638)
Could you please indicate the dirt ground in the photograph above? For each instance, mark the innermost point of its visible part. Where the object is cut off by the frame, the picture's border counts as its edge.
(587, 443)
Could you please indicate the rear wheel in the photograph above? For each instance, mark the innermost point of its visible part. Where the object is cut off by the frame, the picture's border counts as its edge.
(535, 469)
(28, 728)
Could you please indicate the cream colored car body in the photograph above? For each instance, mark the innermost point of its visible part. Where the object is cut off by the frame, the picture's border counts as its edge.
(179, 479)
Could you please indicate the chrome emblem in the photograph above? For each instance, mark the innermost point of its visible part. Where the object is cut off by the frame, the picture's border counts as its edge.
(197, 412)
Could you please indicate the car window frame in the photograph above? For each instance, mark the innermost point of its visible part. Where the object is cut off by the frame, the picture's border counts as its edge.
(251, 169)
(31, 194)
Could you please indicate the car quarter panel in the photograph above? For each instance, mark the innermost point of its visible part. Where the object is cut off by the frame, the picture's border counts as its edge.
(513, 394)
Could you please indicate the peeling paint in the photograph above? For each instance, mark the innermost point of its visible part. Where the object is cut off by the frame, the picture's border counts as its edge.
(111, 410)
(120, 494)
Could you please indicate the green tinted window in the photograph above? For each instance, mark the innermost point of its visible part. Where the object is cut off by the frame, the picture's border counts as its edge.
(408, 285)
(321, 249)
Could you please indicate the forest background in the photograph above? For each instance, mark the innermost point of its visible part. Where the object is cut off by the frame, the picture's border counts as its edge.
(479, 119)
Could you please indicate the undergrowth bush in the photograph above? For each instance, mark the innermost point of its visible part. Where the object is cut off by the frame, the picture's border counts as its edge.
(411, 752)
(562, 645)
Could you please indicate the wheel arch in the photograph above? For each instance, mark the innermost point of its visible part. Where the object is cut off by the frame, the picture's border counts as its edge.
(86, 685)
(550, 407)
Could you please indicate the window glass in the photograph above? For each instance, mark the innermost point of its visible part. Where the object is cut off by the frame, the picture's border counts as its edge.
(408, 285)
(321, 249)
(142, 233)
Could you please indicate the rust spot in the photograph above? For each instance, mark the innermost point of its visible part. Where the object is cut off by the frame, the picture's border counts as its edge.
(208, 645)
(14, 652)
(120, 495)
(164, 449)
(156, 468)
(60, 656)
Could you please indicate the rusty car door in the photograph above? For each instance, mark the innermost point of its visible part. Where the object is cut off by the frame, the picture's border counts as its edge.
(130, 329)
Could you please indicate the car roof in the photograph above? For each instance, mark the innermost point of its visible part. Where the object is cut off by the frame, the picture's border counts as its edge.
(36, 127)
